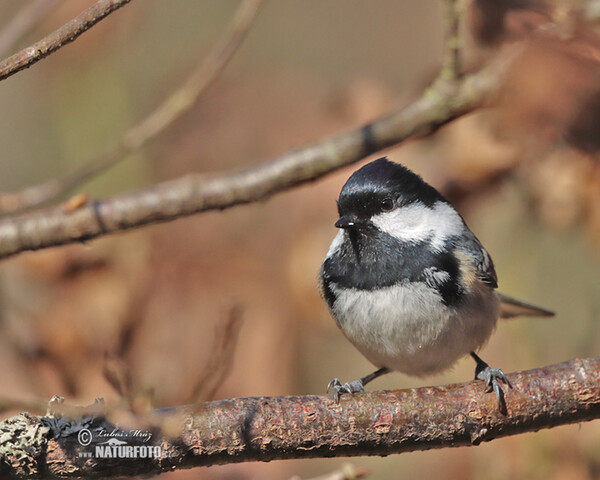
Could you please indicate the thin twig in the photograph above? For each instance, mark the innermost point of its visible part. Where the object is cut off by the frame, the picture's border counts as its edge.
(220, 358)
(164, 115)
(451, 59)
(118, 374)
(22, 22)
(59, 38)
(195, 193)
(269, 428)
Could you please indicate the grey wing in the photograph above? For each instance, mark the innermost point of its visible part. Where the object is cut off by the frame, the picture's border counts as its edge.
(483, 263)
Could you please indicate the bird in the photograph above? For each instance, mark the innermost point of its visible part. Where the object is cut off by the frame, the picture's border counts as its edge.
(407, 281)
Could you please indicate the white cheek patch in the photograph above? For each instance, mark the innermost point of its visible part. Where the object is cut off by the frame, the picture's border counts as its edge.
(418, 222)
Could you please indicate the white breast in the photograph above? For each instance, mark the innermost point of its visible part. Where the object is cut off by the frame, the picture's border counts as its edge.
(408, 328)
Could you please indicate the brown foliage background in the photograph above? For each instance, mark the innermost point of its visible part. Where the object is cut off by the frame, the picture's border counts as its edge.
(147, 306)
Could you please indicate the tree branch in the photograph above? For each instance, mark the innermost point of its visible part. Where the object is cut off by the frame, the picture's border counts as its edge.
(57, 39)
(268, 428)
(195, 193)
(175, 105)
(451, 59)
(22, 22)
(444, 101)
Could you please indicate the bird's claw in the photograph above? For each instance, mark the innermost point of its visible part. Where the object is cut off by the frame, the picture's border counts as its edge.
(355, 386)
(492, 378)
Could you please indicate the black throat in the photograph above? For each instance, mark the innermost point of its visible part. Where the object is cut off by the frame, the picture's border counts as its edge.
(369, 260)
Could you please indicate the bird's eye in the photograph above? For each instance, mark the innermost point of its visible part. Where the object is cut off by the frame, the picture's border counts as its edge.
(387, 204)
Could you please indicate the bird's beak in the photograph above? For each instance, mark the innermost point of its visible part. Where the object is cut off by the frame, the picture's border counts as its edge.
(347, 222)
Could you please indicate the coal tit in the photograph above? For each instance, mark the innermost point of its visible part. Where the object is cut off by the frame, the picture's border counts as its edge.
(408, 282)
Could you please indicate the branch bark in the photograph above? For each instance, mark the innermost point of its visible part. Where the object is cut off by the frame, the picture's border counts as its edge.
(442, 102)
(59, 38)
(268, 428)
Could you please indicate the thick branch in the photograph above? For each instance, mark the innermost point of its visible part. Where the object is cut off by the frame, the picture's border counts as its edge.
(57, 39)
(268, 428)
(191, 194)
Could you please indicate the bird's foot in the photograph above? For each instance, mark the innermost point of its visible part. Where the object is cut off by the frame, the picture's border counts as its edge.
(356, 386)
(492, 378)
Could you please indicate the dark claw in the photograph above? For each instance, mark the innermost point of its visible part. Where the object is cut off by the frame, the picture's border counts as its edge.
(492, 378)
(333, 383)
(356, 386)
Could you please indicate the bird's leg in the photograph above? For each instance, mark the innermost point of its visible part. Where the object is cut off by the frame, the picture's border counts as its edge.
(355, 386)
(491, 377)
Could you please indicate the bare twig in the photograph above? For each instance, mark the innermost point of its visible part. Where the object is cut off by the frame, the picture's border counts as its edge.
(22, 22)
(195, 193)
(220, 358)
(165, 114)
(117, 372)
(451, 59)
(59, 38)
(441, 103)
(268, 428)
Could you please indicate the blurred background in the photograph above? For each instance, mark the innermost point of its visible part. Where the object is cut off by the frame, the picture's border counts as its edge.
(143, 312)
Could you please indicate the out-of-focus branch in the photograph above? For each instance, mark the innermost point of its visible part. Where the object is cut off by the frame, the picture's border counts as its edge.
(22, 405)
(346, 472)
(591, 10)
(442, 102)
(59, 38)
(172, 108)
(195, 193)
(22, 22)
(451, 59)
(268, 428)
(220, 357)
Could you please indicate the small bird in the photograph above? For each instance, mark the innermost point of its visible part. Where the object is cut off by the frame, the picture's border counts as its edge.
(408, 282)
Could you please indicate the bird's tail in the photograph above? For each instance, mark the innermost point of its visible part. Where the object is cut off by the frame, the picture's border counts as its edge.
(511, 307)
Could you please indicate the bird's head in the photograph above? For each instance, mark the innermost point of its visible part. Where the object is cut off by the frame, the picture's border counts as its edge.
(387, 196)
